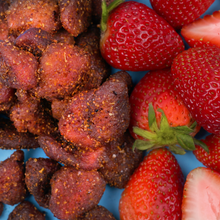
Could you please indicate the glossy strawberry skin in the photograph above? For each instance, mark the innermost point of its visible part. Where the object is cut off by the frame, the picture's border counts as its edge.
(137, 39)
(155, 189)
(196, 76)
(157, 87)
(181, 12)
(196, 33)
(211, 159)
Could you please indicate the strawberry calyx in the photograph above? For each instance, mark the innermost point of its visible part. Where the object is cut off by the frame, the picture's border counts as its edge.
(177, 139)
(105, 12)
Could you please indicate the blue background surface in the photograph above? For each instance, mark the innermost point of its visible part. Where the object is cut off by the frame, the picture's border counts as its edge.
(111, 197)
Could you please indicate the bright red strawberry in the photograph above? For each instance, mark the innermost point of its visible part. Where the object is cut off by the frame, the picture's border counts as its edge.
(135, 38)
(203, 31)
(211, 159)
(201, 195)
(196, 74)
(156, 89)
(155, 189)
(181, 12)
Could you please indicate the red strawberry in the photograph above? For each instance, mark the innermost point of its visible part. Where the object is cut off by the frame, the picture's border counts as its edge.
(181, 12)
(201, 195)
(155, 189)
(196, 74)
(203, 31)
(156, 89)
(211, 159)
(135, 38)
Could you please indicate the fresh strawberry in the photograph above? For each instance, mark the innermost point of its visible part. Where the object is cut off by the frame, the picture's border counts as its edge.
(135, 38)
(196, 74)
(204, 31)
(211, 159)
(181, 12)
(201, 195)
(155, 189)
(158, 115)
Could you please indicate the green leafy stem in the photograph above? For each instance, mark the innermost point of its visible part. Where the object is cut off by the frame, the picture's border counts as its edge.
(177, 139)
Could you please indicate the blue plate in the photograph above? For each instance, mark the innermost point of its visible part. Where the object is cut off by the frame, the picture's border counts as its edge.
(111, 197)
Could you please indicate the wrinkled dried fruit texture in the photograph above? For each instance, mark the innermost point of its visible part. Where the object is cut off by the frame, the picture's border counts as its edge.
(38, 174)
(62, 70)
(1, 208)
(75, 192)
(99, 212)
(4, 5)
(66, 153)
(7, 97)
(12, 185)
(97, 10)
(96, 117)
(34, 40)
(18, 68)
(75, 15)
(63, 36)
(10, 138)
(26, 211)
(59, 106)
(122, 161)
(3, 30)
(29, 115)
(100, 70)
(25, 14)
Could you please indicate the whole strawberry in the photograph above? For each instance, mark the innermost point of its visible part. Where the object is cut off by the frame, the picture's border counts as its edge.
(196, 74)
(211, 159)
(135, 38)
(155, 189)
(158, 115)
(181, 12)
(196, 33)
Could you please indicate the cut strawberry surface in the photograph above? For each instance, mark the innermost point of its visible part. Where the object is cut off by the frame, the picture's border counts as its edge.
(201, 196)
(204, 31)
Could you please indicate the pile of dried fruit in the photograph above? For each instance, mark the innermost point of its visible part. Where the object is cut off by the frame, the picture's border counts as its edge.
(57, 94)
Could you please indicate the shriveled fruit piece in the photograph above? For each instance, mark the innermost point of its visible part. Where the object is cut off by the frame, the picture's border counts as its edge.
(38, 174)
(34, 40)
(120, 162)
(75, 192)
(24, 14)
(62, 70)
(99, 212)
(26, 211)
(10, 138)
(201, 195)
(155, 189)
(1, 208)
(100, 70)
(29, 114)
(204, 31)
(18, 68)
(57, 148)
(135, 38)
(7, 97)
(75, 15)
(12, 185)
(98, 116)
(196, 76)
(63, 36)
(181, 12)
